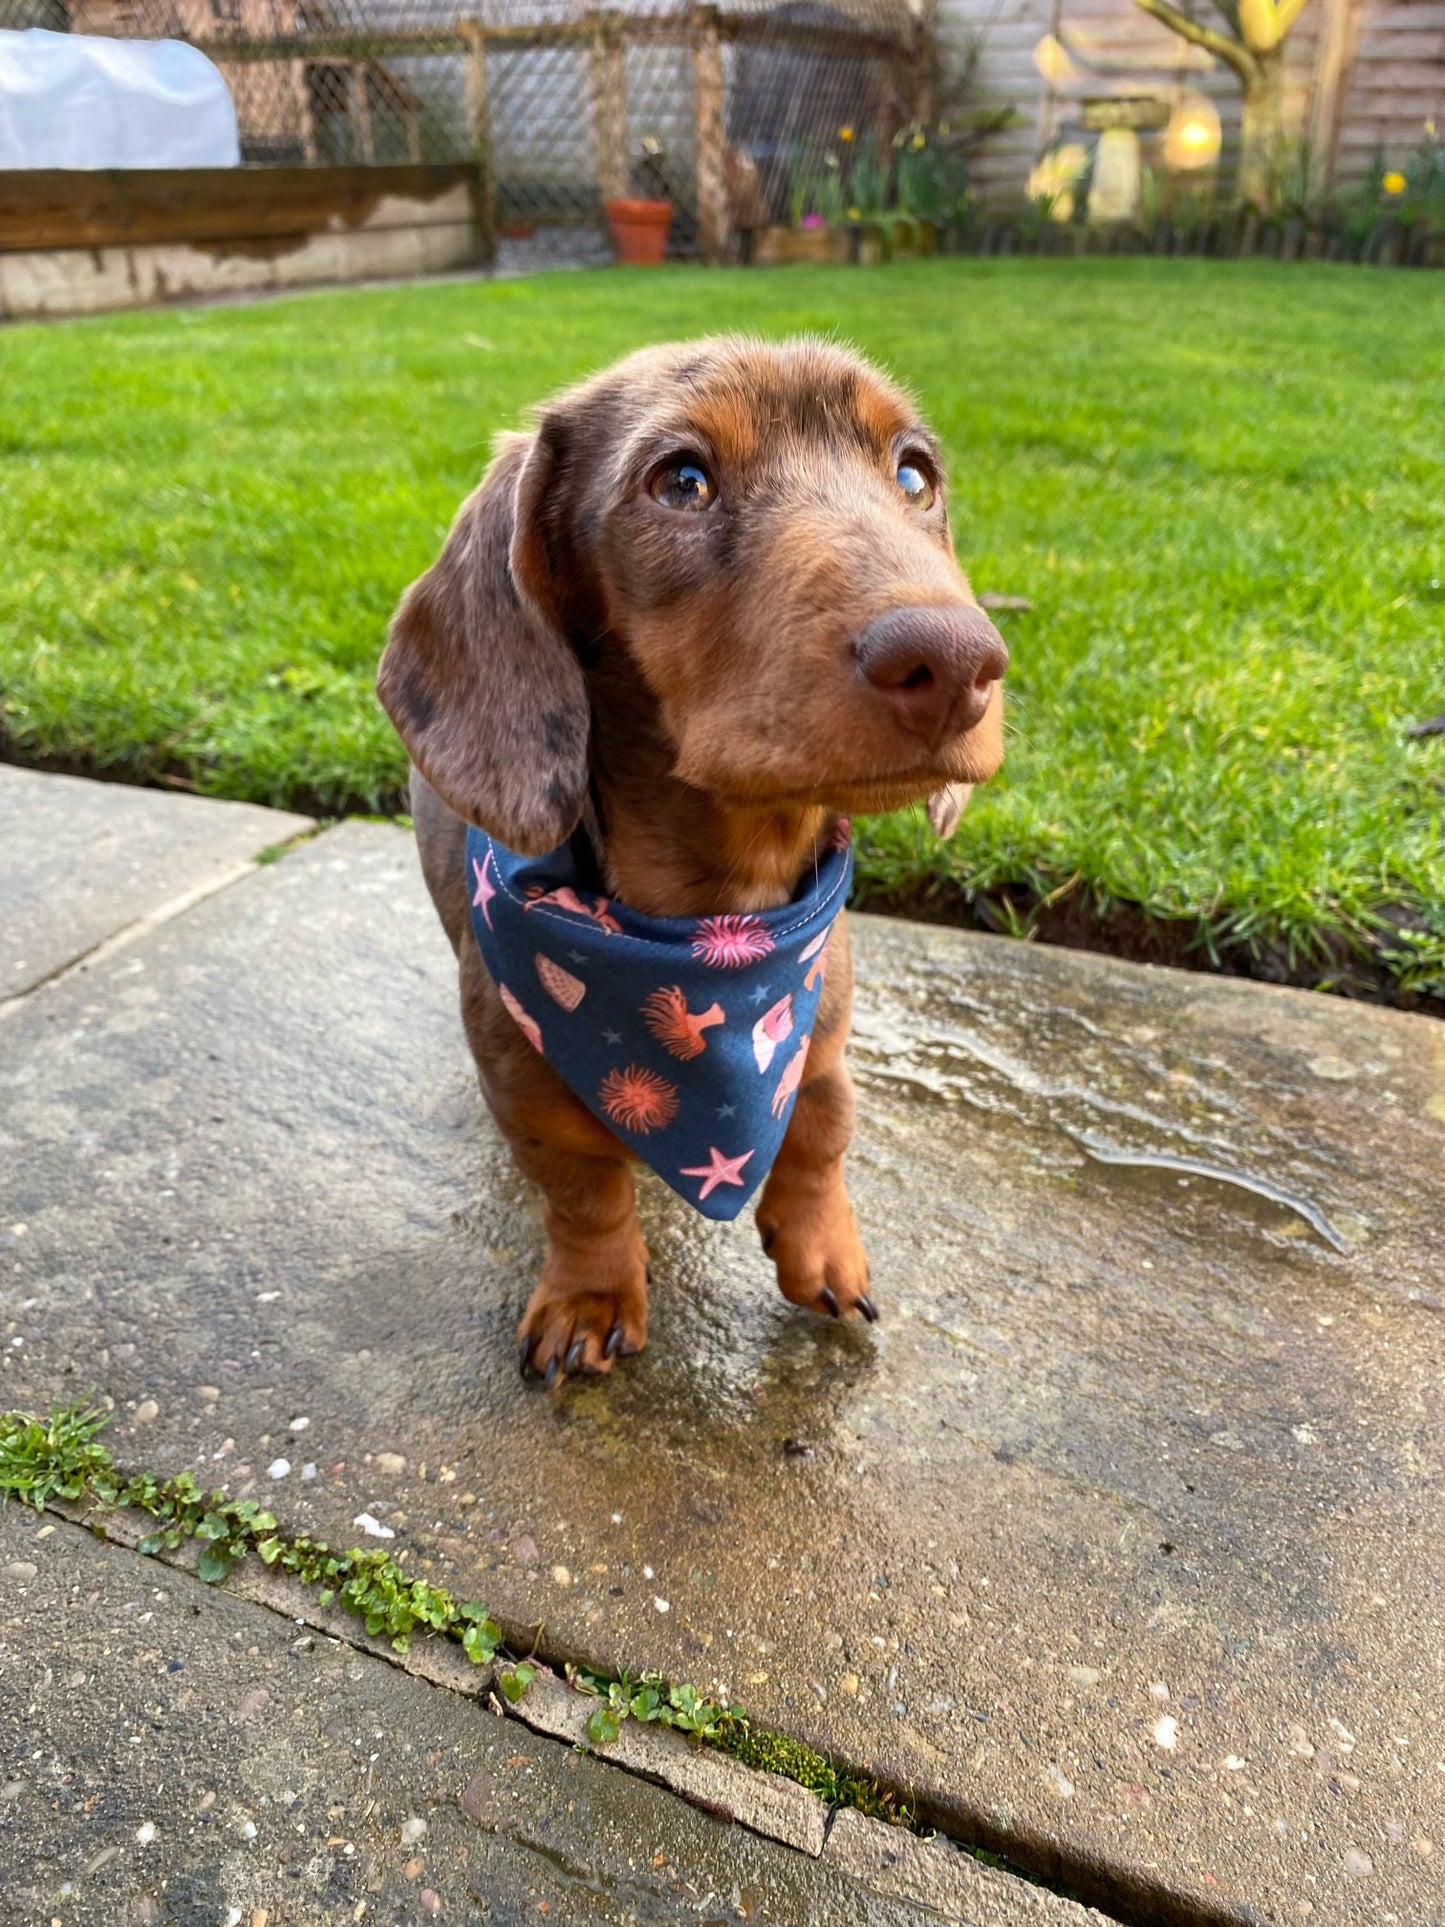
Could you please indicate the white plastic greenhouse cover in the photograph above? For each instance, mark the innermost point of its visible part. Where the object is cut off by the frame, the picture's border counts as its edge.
(70, 100)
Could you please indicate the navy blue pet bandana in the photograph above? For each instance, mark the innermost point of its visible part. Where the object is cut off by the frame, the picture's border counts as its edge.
(686, 1036)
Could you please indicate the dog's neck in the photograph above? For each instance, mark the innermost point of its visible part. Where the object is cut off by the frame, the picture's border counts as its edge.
(670, 850)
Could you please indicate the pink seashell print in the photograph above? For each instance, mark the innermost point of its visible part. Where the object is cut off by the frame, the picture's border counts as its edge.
(560, 985)
(530, 1028)
(638, 1099)
(792, 1076)
(770, 1030)
(727, 942)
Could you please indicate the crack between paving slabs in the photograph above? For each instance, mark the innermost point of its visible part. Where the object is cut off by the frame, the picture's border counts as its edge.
(438, 1663)
(51, 1466)
(164, 913)
(435, 1663)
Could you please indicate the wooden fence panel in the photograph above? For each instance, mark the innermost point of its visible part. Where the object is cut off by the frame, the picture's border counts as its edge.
(84, 242)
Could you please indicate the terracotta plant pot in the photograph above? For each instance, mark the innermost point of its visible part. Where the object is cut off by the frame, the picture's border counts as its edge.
(639, 231)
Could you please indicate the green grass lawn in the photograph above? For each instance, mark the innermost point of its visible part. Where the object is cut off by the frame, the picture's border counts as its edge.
(1222, 485)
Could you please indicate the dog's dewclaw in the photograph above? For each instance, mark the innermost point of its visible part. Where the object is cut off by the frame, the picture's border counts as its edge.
(946, 806)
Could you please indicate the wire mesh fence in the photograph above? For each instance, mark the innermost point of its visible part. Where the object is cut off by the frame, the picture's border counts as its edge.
(730, 112)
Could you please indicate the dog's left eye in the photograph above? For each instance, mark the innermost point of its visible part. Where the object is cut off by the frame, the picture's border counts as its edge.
(683, 485)
(916, 487)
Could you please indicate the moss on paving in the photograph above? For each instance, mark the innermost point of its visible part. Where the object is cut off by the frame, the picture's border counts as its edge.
(1221, 484)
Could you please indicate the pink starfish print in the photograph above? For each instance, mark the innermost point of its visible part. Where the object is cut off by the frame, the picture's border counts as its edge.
(718, 1170)
(486, 890)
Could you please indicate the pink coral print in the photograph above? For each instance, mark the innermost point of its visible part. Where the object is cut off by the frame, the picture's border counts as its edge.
(770, 1030)
(638, 1099)
(673, 1024)
(529, 1026)
(567, 899)
(792, 1076)
(818, 951)
(727, 942)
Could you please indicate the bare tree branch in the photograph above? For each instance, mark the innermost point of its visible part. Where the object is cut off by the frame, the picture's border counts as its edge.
(1230, 10)
(1220, 45)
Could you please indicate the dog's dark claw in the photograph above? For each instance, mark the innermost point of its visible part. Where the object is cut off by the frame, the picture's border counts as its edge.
(828, 1301)
(524, 1357)
(552, 1369)
(868, 1309)
(614, 1339)
(574, 1355)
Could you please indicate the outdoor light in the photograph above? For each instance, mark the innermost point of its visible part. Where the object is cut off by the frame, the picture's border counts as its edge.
(1051, 58)
(1192, 136)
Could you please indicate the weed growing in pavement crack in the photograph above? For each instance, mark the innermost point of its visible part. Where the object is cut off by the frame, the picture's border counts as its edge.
(62, 1457)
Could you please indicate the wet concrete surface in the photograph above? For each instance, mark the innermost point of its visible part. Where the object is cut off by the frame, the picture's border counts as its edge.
(80, 861)
(173, 1757)
(1116, 1544)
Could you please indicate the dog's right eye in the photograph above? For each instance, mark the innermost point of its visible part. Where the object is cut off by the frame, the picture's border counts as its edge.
(683, 485)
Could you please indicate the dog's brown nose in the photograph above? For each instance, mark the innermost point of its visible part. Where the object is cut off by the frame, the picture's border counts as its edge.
(936, 665)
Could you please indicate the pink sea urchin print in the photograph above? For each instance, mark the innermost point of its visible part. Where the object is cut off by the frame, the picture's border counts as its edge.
(638, 1099)
(727, 942)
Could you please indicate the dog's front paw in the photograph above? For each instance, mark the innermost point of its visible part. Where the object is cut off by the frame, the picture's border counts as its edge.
(819, 1255)
(580, 1323)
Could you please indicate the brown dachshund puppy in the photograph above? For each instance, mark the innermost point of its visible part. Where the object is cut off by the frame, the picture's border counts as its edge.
(709, 605)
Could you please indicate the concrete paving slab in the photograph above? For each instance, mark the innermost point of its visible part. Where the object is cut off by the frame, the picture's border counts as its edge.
(173, 1757)
(80, 861)
(1117, 1544)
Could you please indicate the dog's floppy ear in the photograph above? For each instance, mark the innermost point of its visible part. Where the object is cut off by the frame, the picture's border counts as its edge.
(479, 678)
